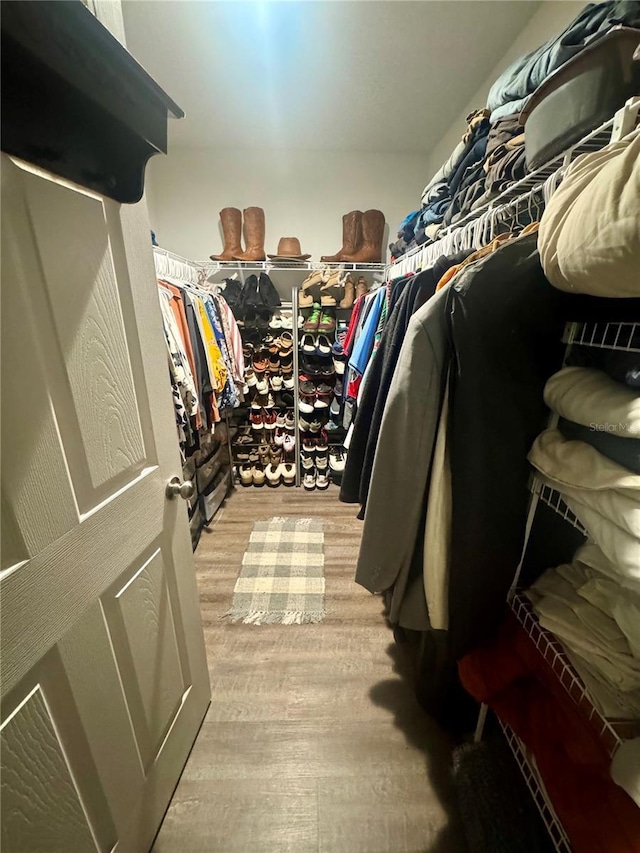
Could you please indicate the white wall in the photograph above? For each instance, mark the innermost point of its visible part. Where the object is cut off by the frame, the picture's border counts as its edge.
(550, 19)
(304, 194)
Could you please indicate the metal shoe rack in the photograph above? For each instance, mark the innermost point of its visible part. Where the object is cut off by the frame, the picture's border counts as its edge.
(520, 204)
(213, 268)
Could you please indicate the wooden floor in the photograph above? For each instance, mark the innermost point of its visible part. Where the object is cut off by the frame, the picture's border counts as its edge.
(313, 742)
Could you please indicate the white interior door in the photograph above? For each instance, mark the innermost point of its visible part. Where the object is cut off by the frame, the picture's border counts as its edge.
(104, 675)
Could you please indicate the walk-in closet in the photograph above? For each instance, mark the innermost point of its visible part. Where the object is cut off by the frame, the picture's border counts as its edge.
(320, 426)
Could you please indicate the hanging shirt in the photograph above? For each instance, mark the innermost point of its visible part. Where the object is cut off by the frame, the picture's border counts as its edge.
(363, 347)
(178, 361)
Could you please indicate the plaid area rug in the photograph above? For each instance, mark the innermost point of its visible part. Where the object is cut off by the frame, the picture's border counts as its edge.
(282, 575)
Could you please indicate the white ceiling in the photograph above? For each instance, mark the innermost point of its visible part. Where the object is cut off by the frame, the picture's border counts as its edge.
(379, 76)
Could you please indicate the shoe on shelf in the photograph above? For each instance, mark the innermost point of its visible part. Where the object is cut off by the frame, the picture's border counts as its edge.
(273, 475)
(255, 418)
(323, 345)
(262, 385)
(275, 322)
(288, 382)
(311, 286)
(340, 363)
(322, 480)
(286, 318)
(264, 454)
(286, 342)
(322, 461)
(276, 382)
(274, 362)
(269, 419)
(286, 360)
(309, 480)
(290, 421)
(334, 408)
(308, 445)
(246, 475)
(279, 437)
(315, 425)
(327, 324)
(323, 401)
(281, 420)
(313, 320)
(341, 333)
(349, 292)
(289, 445)
(305, 425)
(261, 360)
(337, 388)
(250, 377)
(306, 403)
(361, 286)
(306, 461)
(322, 442)
(332, 290)
(258, 475)
(275, 455)
(288, 473)
(337, 461)
(308, 344)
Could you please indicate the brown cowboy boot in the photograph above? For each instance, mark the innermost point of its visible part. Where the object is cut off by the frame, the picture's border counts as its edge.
(372, 237)
(361, 286)
(351, 237)
(231, 219)
(253, 236)
(349, 292)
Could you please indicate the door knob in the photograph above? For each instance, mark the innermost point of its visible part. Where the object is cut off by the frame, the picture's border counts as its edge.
(180, 488)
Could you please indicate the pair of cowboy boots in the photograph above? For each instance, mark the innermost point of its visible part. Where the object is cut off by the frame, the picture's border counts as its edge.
(362, 238)
(254, 228)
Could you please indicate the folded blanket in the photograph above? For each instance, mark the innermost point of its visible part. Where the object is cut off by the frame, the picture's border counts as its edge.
(593, 399)
(589, 237)
(624, 451)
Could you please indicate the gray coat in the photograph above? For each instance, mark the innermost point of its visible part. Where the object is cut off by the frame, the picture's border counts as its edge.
(396, 502)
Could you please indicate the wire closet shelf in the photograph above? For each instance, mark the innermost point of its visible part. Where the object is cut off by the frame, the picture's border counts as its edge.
(610, 731)
(538, 791)
(623, 337)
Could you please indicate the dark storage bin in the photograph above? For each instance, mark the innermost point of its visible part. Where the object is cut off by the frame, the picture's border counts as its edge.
(581, 95)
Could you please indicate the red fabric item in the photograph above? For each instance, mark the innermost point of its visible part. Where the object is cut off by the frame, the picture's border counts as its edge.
(353, 324)
(511, 676)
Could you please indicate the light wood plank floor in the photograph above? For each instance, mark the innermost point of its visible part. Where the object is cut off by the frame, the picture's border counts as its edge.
(313, 742)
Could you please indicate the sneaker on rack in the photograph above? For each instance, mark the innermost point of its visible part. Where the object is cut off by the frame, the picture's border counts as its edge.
(276, 382)
(289, 445)
(305, 425)
(322, 480)
(336, 461)
(269, 419)
(289, 421)
(281, 420)
(314, 426)
(322, 442)
(309, 480)
(334, 408)
(255, 419)
(341, 333)
(279, 436)
(288, 382)
(312, 322)
(250, 377)
(322, 460)
(306, 461)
